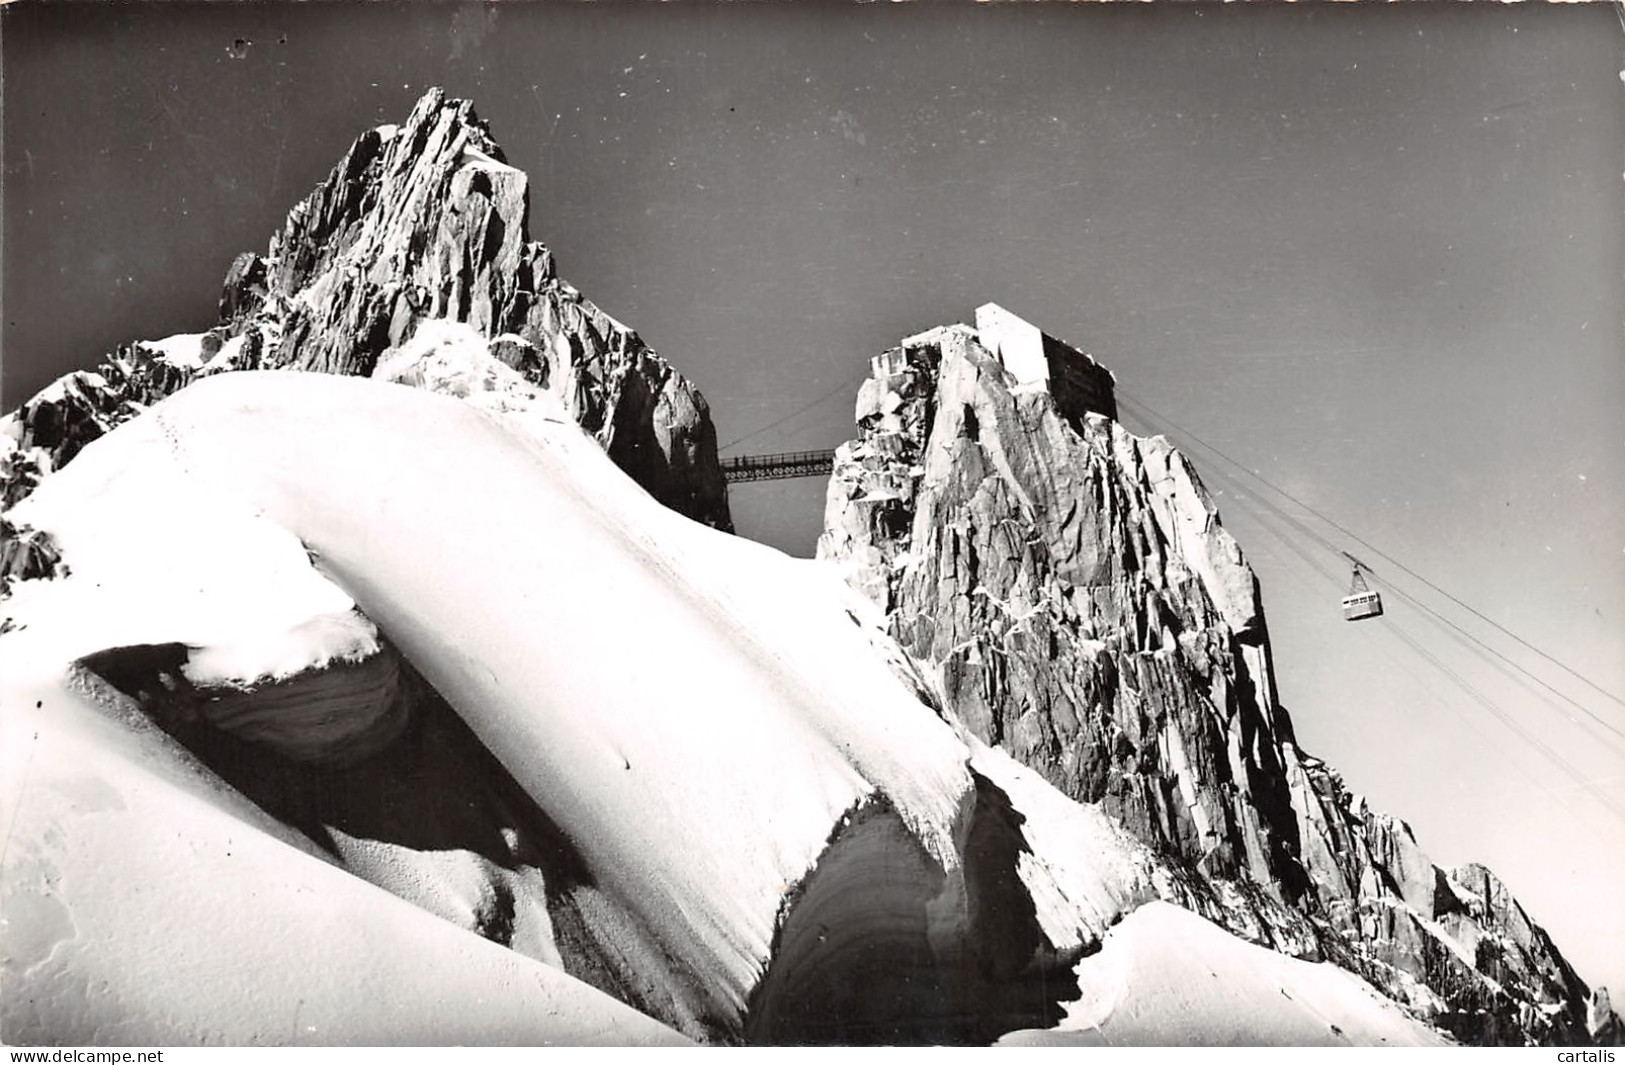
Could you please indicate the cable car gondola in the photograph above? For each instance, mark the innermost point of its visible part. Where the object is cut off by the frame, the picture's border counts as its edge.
(1361, 602)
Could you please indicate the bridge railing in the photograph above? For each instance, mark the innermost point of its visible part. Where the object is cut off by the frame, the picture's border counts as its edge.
(743, 468)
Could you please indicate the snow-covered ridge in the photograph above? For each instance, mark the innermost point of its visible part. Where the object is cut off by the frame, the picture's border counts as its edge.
(726, 715)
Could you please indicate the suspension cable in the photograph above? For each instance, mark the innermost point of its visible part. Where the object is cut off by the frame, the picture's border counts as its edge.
(1135, 402)
(1478, 697)
(1399, 634)
(843, 386)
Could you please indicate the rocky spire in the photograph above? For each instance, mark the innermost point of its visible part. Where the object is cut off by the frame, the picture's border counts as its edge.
(418, 222)
(1070, 591)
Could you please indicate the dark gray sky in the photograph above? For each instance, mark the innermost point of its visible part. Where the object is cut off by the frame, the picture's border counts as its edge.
(1375, 252)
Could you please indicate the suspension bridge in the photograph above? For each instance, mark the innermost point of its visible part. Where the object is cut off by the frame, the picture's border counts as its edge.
(741, 469)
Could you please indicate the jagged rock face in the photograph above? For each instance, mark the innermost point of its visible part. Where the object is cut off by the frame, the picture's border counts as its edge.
(1068, 589)
(26, 554)
(1453, 944)
(50, 429)
(427, 221)
(1057, 581)
(419, 222)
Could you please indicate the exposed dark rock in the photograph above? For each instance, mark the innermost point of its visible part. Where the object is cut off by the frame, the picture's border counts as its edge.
(49, 429)
(426, 221)
(26, 554)
(1061, 587)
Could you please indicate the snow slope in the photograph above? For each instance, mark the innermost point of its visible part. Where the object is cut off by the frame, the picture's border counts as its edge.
(183, 565)
(1168, 977)
(635, 671)
(144, 904)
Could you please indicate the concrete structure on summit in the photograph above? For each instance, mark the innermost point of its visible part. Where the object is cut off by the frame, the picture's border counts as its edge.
(1038, 360)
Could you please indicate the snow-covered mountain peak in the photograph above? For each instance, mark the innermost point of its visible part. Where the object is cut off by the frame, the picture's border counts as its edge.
(422, 697)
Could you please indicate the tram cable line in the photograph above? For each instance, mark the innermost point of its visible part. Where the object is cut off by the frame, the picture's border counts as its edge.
(1509, 668)
(1566, 767)
(754, 433)
(1487, 653)
(1477, 696)
(1419, 679)
(1484, 651)
(1135, 402)
(1160, 423)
